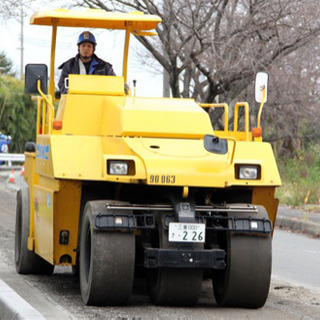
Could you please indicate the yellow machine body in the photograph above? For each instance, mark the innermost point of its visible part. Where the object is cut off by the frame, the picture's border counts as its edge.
(162, 139)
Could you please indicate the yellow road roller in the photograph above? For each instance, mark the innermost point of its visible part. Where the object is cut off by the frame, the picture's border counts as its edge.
(121, 186)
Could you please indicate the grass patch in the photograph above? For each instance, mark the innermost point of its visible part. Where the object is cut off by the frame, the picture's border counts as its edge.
(300, 179)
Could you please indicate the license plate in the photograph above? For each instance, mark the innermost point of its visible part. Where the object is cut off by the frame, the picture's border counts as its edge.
(187, 232)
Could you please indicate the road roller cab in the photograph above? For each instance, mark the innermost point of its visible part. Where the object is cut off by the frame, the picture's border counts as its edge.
(121, 186)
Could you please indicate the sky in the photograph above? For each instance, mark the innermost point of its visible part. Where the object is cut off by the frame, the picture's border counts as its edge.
(37, 41)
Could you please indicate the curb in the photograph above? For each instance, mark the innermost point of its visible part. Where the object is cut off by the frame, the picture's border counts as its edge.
(12, 306)
(310, 228)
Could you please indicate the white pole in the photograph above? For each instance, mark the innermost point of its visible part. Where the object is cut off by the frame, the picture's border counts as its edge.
(21, 41)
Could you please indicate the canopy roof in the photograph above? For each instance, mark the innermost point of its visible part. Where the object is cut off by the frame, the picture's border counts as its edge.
(95, 18)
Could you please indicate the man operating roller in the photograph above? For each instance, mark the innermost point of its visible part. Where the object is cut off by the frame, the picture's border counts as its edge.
(85, 62)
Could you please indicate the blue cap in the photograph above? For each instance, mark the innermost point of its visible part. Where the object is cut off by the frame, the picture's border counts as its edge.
(87, 36)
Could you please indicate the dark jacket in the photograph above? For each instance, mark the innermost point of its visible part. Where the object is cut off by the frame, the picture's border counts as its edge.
(71, 66)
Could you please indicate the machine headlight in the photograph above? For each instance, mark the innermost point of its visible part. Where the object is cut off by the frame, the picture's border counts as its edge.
(116, 167)
(248, 172)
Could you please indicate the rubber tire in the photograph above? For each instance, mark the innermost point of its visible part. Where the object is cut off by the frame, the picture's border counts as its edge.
(173, 286)
(106, 262)
(246, 280)
(26, 261)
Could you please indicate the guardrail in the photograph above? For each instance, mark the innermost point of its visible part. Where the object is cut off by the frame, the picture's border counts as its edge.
(14, 157)
(8, 158)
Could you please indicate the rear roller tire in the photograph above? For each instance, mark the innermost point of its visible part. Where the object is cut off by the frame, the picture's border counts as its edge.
(26, 261)
(174, 286)
(106, 262)
(246, 280)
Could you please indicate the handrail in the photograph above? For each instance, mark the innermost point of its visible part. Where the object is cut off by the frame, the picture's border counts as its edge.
(219, 105)
(38, 114)
(245, 105)
(246, 117)
(44, 111)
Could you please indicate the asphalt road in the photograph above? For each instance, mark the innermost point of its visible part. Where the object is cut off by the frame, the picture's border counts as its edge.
(296, 258)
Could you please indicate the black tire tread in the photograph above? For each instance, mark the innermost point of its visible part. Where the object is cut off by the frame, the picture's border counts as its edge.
(26, 261)
(245, 282)
(112, 257)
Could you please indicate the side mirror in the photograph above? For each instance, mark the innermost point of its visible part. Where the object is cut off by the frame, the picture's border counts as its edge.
(33, 72)
(260, 84)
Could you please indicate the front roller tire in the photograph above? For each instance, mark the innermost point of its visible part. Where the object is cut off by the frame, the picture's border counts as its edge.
(26, 261)
(106, 262)
(246, 280)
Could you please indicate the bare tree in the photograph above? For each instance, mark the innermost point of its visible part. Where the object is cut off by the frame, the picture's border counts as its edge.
(292, 110)
(12, 8)
(214, 47)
